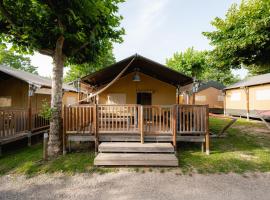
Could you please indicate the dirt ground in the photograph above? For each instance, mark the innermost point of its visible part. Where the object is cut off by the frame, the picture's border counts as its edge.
(137, 185)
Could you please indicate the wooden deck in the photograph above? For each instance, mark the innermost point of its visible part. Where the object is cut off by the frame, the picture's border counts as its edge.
(16, 124)
(137, 123)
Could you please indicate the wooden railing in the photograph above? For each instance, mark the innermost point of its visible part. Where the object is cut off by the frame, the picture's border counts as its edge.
(16, 121)
(13, 122)
(172, 120)
(144, 120)
(79, 119)
(118, 118)
(38, 122)
(186, 119)
(191, 119)
(157, 119)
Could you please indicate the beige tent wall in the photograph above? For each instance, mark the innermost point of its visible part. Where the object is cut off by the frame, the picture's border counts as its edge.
(259, 99)
(15, 89)
(255, 101)
(210, 96)
(162, 93)
(234, 103)
(38, 100)
(70, 98)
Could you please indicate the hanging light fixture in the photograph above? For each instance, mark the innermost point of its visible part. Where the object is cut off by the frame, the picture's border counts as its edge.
(136, 77)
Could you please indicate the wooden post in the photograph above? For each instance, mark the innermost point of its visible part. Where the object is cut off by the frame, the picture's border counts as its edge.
(45, 146)
(175, 120)
(207, 135)
(96, 127)
(0, 149)
(64, 129)
(247, 101)
(141, 124)
(224, 104)
(29, 107)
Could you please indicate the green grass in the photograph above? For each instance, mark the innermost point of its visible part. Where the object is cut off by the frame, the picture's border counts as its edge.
(28, 161)
(239, 152)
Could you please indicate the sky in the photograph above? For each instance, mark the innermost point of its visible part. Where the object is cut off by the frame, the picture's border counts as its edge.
(158, 28)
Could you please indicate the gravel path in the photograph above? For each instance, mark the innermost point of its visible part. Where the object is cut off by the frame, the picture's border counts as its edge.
(132, 185)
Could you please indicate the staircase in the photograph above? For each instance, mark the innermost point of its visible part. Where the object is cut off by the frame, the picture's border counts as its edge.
(135, 154)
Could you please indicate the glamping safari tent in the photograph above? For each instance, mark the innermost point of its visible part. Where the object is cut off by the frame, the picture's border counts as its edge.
(211, 93)
(249, 98)
(134, 101)
(21, 97)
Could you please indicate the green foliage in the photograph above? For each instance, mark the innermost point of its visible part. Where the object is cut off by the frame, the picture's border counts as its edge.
(200, 65)
(76, 71)
(191, 62)
(46, 110)
(10, 58)
(243, 37)
(86, 26)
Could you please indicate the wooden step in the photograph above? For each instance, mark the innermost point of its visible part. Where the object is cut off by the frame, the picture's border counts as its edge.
(135, 147)
(135, 159)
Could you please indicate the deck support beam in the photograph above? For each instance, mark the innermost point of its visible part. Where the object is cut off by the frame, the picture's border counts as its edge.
(174, 126)
(207, 135)
(141, 124)
(29, 135)
(0, 149)
(64, 130)
(96, 128)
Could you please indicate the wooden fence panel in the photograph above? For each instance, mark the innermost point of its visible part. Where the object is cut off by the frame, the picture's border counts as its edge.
(117, 118)
(12, 122)
(191, 119)
(79, 119)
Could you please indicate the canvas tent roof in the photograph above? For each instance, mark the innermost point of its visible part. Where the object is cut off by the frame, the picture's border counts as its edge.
(32, 78)
(214, 84)
(253, 80)
(142, 64)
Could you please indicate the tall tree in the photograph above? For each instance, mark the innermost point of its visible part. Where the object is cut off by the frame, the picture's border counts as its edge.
(10, 58)
(199, 64)
(67, 30)
(243, 37)
(79, 70)
(191, 62)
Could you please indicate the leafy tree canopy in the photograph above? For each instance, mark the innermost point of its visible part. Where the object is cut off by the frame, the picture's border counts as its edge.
(243, 37)
(70, 31)
(200, 65)
(10, 58)
(79, 70)
(86, 26)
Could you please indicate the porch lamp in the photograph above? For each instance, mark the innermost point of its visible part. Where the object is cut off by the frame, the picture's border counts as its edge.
(195, 85)
(195, 88)
(136, 77)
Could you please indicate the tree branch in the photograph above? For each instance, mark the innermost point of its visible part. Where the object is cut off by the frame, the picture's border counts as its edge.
(47, 52)
(80, 48)
(6, 13)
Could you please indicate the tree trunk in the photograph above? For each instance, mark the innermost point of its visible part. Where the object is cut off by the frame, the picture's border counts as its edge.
(54, 144)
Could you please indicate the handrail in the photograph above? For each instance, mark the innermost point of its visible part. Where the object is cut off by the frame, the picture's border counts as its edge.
(145, 120)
